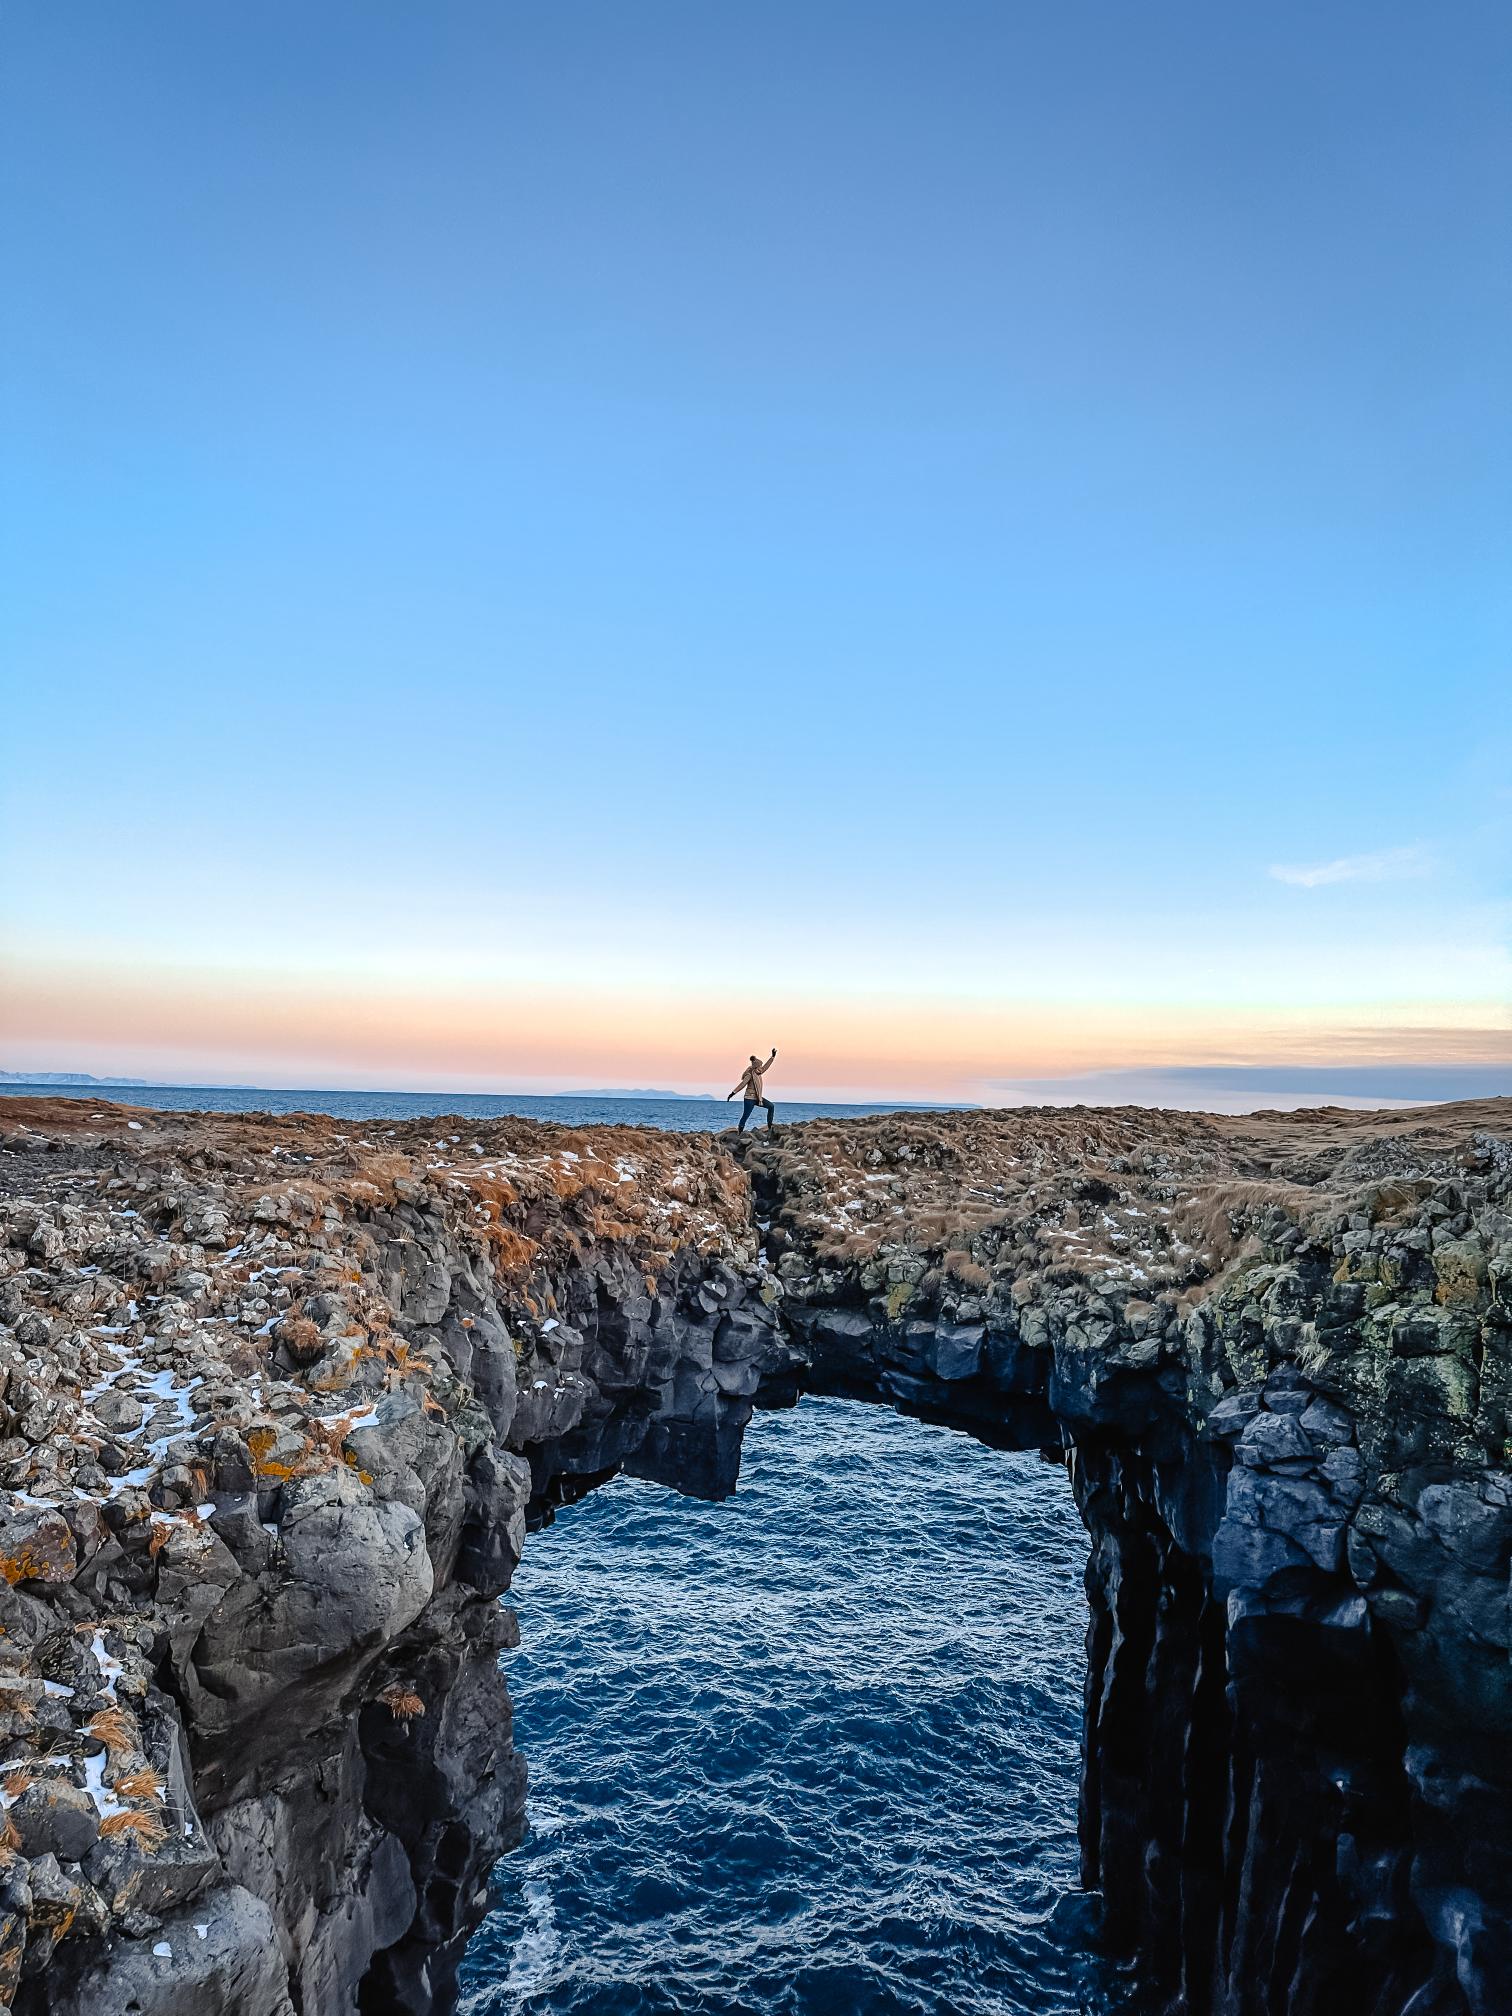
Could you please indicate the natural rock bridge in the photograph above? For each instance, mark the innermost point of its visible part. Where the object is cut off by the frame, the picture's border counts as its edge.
(282, 1395)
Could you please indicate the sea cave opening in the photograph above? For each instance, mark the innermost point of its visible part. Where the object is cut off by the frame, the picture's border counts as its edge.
(810, 1750)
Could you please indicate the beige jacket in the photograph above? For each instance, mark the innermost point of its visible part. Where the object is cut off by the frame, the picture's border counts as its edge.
(750, 1081)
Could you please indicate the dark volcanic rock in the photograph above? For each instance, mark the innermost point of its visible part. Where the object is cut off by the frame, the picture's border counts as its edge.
(278, 1404)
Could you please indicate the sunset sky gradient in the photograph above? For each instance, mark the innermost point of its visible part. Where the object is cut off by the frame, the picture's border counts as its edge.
(551, 546)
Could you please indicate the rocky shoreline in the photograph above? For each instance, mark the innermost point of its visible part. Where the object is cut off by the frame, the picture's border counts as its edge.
(282, 1395)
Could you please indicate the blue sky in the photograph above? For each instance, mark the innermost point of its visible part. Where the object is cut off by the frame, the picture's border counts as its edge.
(540, 538)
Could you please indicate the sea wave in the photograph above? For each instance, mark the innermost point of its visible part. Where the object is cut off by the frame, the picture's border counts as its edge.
(807, 1753)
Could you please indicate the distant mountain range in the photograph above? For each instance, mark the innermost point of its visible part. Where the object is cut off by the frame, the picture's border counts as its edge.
(66, 1078)
(628, 1092)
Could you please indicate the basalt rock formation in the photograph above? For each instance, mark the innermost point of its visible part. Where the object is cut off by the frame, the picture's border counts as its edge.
(279, 1397)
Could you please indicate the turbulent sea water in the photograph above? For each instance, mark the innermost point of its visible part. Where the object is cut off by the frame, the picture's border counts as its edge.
(806, 1753)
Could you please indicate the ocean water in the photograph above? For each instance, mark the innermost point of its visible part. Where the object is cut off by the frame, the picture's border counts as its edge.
(682, 1116)
(812, 1752)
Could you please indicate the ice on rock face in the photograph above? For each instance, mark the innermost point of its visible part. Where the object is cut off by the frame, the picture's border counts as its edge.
(163, 1950)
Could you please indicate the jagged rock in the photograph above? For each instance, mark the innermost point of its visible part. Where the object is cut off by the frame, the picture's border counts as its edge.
(130, 1877)
(54, 1817)
(954, 1350)
(1274, 1438)
(355, 1573)
(222, 1955)
(36, 1546)
(493, 1538)
(55, 1902)
(12, 1951)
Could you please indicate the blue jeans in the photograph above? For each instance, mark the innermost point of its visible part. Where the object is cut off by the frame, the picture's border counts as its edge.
(748, 1107)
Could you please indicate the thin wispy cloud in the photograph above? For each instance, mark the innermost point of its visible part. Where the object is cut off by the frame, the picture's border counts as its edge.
(1391, 864)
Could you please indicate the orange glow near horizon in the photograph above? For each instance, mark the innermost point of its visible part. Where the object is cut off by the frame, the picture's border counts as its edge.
(299, 1031)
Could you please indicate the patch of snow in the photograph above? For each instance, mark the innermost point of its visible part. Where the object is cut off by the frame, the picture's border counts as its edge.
(129, 1480)
(105, 1800)
(366, 1417)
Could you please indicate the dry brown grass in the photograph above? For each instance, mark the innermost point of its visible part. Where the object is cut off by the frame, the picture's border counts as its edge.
(1063, 1193)
(510, 1251)
(142, 1784)
(300, 1337)
(961, 1268)
(138, 1820)
(403, 1704)
(1218, 1218)
(115, 1729)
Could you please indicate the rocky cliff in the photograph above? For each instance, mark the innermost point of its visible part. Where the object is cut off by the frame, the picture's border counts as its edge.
(280, 1398)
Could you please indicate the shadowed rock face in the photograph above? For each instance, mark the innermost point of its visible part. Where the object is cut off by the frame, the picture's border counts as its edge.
(281, 1398)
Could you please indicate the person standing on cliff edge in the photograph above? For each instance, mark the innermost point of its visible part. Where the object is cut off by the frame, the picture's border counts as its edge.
(750, 1088)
